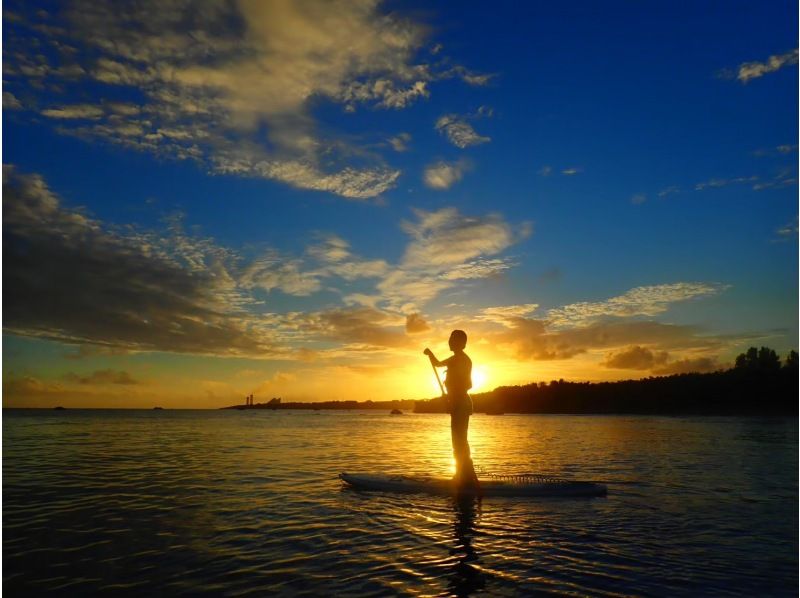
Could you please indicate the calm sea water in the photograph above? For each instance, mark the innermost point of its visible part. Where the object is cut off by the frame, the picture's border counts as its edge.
(247, 503)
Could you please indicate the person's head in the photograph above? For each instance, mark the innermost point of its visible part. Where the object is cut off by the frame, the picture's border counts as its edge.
(458, 340)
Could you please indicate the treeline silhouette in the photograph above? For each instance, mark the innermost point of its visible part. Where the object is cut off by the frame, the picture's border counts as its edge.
(758, 384)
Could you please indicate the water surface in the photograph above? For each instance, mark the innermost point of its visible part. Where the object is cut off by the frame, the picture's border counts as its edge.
(247, 503)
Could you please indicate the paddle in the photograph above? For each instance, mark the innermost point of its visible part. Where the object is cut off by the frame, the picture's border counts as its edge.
(435, 371)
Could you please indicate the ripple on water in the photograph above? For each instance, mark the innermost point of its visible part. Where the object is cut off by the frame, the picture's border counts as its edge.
(239, 503)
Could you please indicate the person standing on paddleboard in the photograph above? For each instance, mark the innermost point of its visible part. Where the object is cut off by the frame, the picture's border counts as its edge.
(459, 403)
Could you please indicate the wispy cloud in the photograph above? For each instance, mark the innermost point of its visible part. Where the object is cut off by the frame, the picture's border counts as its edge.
(400, 142)
(459, 132)
(443, 175)
(75, 111)
(669, 191)
(753, 70)
(101, 377)
(640, 301)
(572, 170)
(506, 314)
(787, 232)
(446, 247)
(638, 198)
(135, 290)
(211, 81)
(124, 290)
(717, 183)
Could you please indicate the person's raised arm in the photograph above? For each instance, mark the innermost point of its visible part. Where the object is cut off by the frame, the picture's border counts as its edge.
(432, 357)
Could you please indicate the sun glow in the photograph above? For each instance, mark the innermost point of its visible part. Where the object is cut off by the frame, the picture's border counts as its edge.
(480, 378)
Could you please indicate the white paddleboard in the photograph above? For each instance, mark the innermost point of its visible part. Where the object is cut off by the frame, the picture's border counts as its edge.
(520, 486)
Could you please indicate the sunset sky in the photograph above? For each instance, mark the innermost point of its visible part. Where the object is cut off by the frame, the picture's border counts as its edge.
(203, 200)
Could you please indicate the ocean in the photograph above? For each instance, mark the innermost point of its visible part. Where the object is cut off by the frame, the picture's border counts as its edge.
(237, 503)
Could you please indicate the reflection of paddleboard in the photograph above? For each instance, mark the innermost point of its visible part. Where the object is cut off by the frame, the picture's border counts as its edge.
(528, 485)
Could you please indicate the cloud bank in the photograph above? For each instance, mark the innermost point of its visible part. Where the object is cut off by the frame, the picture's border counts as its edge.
(232, 85)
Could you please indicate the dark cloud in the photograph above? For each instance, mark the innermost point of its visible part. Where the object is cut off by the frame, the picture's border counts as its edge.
(69, 278)
(686, 366)
(361, 325)
(416, 323)
(535, 339)
(100, 377)
(636, 358)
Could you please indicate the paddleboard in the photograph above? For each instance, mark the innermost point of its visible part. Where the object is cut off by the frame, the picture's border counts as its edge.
(527, 485)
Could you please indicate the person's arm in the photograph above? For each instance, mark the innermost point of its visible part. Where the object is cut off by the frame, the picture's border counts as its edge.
(434, 361)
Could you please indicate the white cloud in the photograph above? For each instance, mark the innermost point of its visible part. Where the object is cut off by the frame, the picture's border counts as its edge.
(400, 142)
(443, 175)
(275, 272)
(446, 247)
(669, 191)
(638, 199)
(640, 301)
(506, 314)
(78, 111)
(447, 238)
(753, 70)
(232, 85)
(572, 170)
(459, 132)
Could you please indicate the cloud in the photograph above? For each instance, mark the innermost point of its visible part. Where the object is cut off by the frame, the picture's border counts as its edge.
(689, 366)
(100, 377)
(753, 70)
(658, 362)
(636, 358)
(447, 238)
(572, 170)
(358, 325)
(459, 132)
(107, 290)
(669, 191)
(638, 199)
(231, 85)
(446, 247)
(717, 183)
(400, 142)
(506, 315)
(546, 170)
(443, 175)
(10, 102)
(415, 323)
(639, 301)
(537, 339)
(71, 279)
(788, 231)
(275, 272)
(76, 111)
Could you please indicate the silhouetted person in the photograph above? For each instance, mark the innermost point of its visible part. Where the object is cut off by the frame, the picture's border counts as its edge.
(459, 404)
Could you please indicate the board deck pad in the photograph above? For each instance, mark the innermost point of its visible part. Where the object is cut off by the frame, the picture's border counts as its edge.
(527, 485)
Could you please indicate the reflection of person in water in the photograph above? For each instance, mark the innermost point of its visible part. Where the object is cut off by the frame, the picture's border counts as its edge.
(466, 578)
(459, 403)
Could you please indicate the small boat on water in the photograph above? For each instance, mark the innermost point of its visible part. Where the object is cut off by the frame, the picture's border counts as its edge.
(396, 412)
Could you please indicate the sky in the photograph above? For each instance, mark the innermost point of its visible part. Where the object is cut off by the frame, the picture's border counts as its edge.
(204, 200)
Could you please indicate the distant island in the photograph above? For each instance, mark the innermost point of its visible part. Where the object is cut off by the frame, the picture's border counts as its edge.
(758, 384)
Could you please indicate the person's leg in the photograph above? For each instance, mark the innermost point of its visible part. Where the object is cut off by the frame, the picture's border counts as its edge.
(459, 428)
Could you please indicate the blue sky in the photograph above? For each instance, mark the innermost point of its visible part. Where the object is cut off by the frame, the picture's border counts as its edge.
(293, 196)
